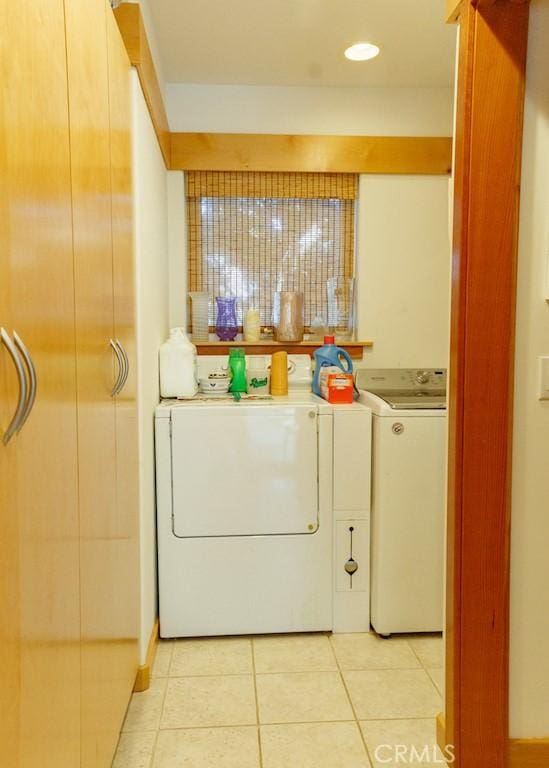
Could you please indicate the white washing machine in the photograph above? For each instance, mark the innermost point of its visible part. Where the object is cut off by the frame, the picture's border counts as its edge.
(409, 451)
(246, 515)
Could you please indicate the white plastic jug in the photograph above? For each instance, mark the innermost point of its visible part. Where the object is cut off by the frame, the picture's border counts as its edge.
(178, 366)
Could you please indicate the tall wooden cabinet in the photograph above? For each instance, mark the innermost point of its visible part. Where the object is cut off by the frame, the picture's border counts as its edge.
(68, 478)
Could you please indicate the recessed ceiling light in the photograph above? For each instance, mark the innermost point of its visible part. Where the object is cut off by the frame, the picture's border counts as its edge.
(361, 51)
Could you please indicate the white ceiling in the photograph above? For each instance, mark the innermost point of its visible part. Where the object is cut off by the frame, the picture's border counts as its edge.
(301, 42)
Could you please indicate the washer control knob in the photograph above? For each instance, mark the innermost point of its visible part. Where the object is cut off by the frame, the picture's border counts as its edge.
(422, 377)
(398, 427)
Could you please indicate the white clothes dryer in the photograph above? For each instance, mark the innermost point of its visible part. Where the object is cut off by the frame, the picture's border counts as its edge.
(245, 513)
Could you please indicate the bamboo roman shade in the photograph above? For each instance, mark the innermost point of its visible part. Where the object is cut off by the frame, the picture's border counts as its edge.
(288, 185)
(251, 234)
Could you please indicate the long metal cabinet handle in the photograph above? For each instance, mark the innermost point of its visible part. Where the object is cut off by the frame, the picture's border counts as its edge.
(126, 366)
(21, 404)
(31, 395)
(124, 375)
(116, 389)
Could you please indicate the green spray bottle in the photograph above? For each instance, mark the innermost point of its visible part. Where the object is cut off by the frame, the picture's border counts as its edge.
(237, 367)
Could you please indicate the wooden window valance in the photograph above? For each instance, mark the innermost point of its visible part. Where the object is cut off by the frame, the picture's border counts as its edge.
(318, 186)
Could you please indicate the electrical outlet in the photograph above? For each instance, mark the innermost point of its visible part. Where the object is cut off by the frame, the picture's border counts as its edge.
(543, 378)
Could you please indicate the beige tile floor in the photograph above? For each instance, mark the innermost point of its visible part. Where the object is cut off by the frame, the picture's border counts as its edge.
(288, 701)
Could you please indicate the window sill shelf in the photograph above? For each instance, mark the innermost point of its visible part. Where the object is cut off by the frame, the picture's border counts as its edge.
(354, 348)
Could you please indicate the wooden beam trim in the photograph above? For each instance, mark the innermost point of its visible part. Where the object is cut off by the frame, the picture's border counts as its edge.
(144, 672)
(130, 23)
(307, 153)
(488, 144)
(453, 9)
(528, 753)
(440, 726)
(265, 152)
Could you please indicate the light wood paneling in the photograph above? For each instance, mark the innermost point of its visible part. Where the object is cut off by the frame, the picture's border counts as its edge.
(490, 101)
(9, 524)
(132, 29)
(330, 154)
(91, 200)
(34, 85)
(61, 300)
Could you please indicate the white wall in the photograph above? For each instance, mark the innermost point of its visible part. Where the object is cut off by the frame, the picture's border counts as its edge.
(177, 245)
(308, 110)
(151, 252)
(403, 269)
(529, 655)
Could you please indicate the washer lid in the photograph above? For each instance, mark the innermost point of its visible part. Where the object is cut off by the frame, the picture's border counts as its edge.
(422, 399)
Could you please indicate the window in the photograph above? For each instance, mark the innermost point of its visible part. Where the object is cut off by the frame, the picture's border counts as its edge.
(251, 234)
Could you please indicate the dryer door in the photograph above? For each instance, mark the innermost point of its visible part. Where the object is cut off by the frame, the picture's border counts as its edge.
(244, 470)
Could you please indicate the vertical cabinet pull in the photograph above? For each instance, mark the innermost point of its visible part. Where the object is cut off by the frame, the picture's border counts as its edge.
(121, 368)
(126, 366)
(18, 416)
(31, 395)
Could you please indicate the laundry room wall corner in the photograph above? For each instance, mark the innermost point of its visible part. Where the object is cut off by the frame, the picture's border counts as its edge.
(151, 253)
(177, 248)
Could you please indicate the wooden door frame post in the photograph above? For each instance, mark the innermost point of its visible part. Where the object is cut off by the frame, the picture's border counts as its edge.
(490, 101)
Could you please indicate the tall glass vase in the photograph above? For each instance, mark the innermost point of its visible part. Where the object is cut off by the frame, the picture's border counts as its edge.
(341, 308)
(226, 326)
(200, 308)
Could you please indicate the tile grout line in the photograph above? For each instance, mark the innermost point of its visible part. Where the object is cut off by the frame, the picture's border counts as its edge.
(157, 735)
(152, 759)
(426, 669)
(159, 728)
(416, 654)
(411, 647)
(256, 705)
(368, 756)
(294, 672)
(277, 723)
(431, 678)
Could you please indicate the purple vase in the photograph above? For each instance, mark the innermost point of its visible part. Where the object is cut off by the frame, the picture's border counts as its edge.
(226, 326)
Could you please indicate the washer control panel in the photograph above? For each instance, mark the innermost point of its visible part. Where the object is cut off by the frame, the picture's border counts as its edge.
(378, 380)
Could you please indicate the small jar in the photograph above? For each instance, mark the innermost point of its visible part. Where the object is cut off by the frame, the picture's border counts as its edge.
(252, 328)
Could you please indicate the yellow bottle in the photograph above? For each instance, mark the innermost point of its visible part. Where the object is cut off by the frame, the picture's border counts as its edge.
(279, 373)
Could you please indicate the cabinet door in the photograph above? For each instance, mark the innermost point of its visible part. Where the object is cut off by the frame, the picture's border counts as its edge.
(9, 538)
(91, 200)
(125, 595)
(40, 265)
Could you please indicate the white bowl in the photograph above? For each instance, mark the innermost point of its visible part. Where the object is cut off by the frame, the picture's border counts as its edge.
(218, 384)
